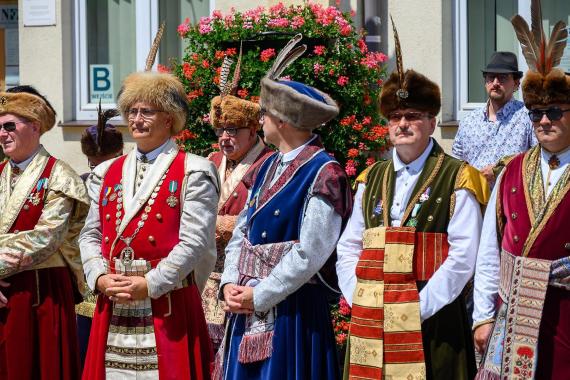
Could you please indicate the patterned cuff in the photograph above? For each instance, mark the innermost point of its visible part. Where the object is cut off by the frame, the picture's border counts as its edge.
(481, 323)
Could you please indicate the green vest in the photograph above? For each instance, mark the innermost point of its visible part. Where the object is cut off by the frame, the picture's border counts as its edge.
(439, 175)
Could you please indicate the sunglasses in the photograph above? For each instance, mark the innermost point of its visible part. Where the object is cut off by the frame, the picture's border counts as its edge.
(553, 114)
(489, 77)
(10, 126)
(230, 131)
(409, 116)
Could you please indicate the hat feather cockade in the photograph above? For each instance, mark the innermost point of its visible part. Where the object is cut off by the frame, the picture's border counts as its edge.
(543, 83)
(163, 90)
(408, 89)
(227, 109)
(295, 103)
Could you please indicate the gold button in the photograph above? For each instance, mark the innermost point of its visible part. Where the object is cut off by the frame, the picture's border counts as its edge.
(235, 194)
(438, 200)
(516, 238)
(106, 239)
(159, 216)
(567, 246)
(513, 190)
(151, 238)
(107, 217)
(514, 215)
(26, 207)
(16, 231)
(430, 218)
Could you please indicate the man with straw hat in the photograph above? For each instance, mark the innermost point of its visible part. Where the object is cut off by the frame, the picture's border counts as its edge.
(298, 201)
(410, 246)
(522, 297)
(148, 243)
(235, 122)
(43, 204)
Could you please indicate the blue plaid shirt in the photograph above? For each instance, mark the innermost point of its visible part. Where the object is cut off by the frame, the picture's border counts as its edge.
(482, 142)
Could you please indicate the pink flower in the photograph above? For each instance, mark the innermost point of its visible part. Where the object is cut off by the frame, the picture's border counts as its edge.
(342, 80)
(267, 54)
(277, 9)
(205, 28)
(162, 68)
(248, 25)
(206, 118)
(346, 30)
(298, 21)
(183, 29)
(286, 77)
(370, 161)
(367, 120)
(319, 50)
(350, 168)
(278, 23)
(362, 46)
(318, 68)
(217, 14)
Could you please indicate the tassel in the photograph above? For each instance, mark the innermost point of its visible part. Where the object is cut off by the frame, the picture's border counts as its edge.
(216, 332)
(257, 347)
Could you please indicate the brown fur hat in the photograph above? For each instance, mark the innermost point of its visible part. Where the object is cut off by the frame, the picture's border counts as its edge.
(294, 107)
(28, 106)
(233, 111)
(163, 90)
(113, 141)
(419, 93)
(543, 90)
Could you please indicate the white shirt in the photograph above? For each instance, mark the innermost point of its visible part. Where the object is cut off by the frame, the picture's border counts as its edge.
(488, 257)
(463, 236)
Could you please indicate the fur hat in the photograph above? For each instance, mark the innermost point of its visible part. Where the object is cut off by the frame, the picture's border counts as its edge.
(28, 106)
(417, 92)
(543, 84)
(295, 103)
(229, 110)
(162, 90)
(408, 89)
(113, 141)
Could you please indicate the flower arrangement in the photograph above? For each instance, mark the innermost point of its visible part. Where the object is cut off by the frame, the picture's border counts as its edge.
(340, 319)
(337, 62)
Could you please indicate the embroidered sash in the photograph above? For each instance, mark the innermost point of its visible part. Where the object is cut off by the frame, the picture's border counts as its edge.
(385, 331)
(512, 348)
(255, 263)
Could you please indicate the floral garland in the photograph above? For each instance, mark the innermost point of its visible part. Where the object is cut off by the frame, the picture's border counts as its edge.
(340, 65)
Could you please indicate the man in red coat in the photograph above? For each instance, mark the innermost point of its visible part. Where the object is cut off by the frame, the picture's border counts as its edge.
(522, 292)
(148, 244)
(43, 204)
(235, 122)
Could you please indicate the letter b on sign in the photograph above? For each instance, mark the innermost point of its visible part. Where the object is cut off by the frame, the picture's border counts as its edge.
(101, 78)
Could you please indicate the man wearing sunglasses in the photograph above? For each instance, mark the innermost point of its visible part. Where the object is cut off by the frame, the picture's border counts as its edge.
(501, 127)
(410, 247)
(235, 122)
(522, 293)
(148, 243)
(43, 204)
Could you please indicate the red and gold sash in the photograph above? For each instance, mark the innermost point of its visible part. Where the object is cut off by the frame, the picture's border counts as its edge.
(385, 331)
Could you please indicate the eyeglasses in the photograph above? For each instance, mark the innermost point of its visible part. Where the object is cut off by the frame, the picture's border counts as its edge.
(409, 116)
(10, 126)
(230, 131)
(146, 113)
(490, 77)
(552, 113)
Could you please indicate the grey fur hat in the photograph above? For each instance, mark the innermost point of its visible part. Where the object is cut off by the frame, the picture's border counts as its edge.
(295, 103)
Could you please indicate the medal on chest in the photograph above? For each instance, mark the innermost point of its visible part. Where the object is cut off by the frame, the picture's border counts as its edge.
(172, 201)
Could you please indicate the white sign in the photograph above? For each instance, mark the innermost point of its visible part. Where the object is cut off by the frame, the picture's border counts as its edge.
(101, 83)
(39, 12)
(9, 21)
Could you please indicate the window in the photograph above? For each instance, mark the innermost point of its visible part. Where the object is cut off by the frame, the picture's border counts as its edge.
(113, 38)
(484, 26)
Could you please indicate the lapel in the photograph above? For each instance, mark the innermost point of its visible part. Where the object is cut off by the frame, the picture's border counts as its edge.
(266, 193)
(230, 184)
(12, 202)
(427, 176)
(133, 203)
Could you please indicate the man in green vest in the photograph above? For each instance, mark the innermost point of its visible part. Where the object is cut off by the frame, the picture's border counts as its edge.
(410, 247)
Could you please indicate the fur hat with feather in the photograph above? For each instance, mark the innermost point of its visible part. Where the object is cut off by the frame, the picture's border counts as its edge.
(408, 89)
(543, 83)
(102, 139)
(295, 103)
(163, 90)
(229, 110)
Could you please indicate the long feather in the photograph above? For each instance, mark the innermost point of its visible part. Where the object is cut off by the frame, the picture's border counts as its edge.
(283, 54)
(529, 45)
(225, 73)
(102, 119)
(237, 71)
(154, 48)
(536, 21)
(556, 45)
(399, 60)
(293, 55)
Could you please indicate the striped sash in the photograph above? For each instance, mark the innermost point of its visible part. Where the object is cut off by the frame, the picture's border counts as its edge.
(385, 331)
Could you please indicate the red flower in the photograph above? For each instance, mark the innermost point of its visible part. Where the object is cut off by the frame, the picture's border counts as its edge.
(188, 70)
(267, 54)
(342, 80)
(362, 46)
(242, 93)
(219, 54)
(194, 94)
(231, 52)
(183, 29)
(357, 127)
(205, 64)
(525, 351)
(319, 50)
(370, 161)
(162, 68)
(353, 153)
